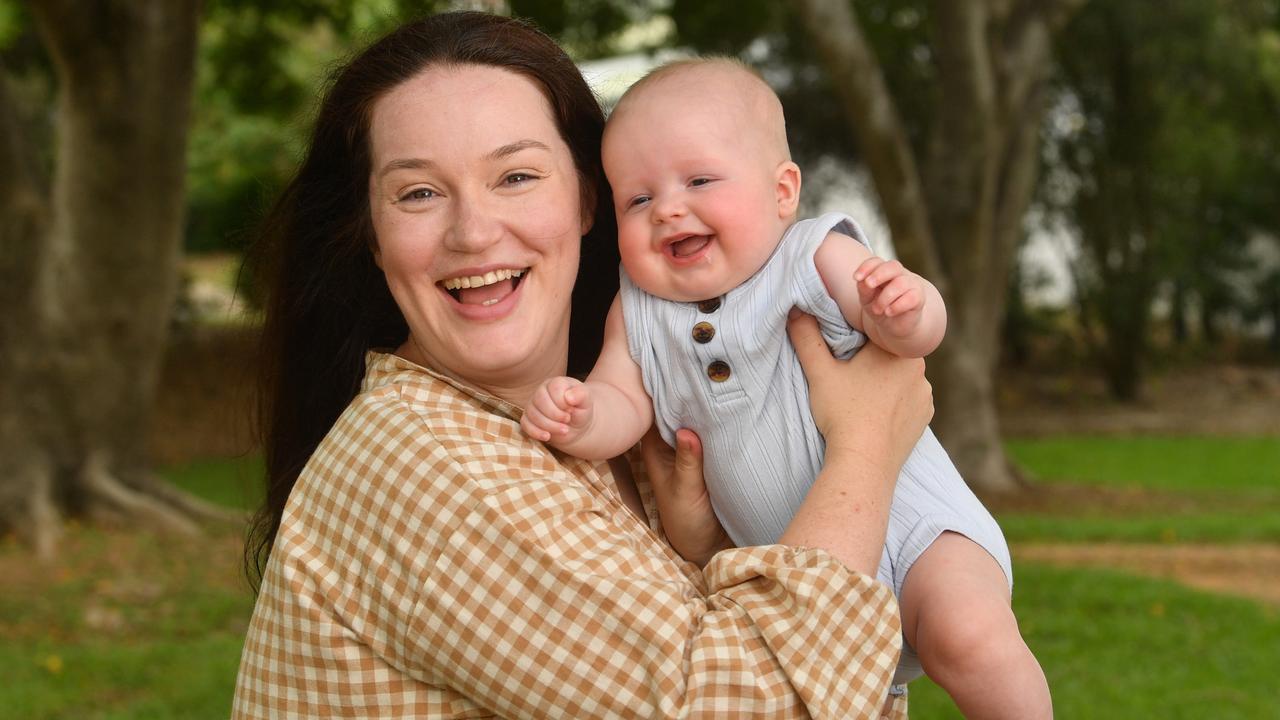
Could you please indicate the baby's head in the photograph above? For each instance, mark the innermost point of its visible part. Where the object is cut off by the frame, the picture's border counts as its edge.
(703, 183)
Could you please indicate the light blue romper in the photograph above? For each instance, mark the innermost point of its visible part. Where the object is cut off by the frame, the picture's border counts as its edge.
(725, 369)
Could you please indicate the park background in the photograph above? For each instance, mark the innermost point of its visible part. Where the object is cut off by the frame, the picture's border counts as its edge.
(1094, 184)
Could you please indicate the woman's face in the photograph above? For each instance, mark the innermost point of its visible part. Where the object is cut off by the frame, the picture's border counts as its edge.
(475, 205)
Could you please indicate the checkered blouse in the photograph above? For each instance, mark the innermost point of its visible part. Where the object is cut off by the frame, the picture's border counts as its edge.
(433, 562)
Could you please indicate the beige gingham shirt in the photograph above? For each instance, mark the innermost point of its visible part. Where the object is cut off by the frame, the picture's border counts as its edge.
(433, 562)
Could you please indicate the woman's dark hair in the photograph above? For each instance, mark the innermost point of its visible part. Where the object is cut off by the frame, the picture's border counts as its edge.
(326, 301)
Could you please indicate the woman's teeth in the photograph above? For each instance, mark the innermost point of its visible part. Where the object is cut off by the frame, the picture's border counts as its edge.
(475, 281)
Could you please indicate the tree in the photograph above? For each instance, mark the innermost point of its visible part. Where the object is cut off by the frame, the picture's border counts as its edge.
(955, 199)
(1164, 163)
(943, 103)
(90, 253)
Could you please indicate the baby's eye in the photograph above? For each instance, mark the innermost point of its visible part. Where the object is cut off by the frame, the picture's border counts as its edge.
(697, 182)
(418, 195)
(637, 201)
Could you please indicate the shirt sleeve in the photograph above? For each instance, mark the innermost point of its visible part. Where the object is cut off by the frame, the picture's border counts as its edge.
(810, 292)
(548, 600)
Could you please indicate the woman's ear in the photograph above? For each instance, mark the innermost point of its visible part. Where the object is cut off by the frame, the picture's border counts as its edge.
(788, 189)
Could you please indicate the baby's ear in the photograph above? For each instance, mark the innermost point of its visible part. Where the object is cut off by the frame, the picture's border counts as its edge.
(788, 188)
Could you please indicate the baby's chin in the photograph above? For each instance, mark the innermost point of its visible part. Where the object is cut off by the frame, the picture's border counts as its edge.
(686, 285)
(695, 293)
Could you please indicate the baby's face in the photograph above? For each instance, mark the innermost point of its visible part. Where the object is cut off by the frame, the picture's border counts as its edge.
(697, 202)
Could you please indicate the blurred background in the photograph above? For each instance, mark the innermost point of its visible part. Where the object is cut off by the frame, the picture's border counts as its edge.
(1093, 184)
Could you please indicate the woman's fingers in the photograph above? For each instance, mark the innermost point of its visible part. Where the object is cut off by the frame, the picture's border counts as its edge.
(677, 473)
(687, 473)
(812, 350)
(658, 456)
(873, 391)
(681, 495)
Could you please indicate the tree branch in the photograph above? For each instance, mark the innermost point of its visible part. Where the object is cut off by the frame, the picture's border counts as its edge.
(1027, 43)
(966, 75)
(103, 487)
(24, 218)
(859, 84)
(21, 181)
(963, 156)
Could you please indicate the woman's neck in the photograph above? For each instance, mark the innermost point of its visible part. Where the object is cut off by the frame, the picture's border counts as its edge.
(515, 385)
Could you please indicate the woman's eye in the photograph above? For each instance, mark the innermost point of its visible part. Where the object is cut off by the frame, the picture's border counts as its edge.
(417, 195)
(518, 178)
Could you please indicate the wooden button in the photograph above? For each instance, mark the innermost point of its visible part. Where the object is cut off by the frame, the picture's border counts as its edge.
(718, 371)
(703, 332)
(709, 306)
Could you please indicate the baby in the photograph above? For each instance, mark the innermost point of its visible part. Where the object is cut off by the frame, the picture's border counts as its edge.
(713, 261)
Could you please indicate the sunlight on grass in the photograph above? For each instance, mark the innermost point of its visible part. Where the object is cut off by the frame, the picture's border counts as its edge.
(1178, 489)
(1252, 523)
(1116, 646)
(1166, 463)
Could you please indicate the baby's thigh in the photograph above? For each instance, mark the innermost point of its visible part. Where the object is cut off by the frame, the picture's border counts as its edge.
(955, 583)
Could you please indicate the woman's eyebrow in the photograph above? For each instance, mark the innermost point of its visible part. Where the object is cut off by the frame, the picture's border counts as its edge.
(406, 164)
(515, 147)
(502, 152)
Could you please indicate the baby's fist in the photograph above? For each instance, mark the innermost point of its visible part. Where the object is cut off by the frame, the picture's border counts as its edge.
(887, 290)
(559, 410)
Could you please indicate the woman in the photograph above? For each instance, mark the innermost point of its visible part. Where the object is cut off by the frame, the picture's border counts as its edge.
(446, 245)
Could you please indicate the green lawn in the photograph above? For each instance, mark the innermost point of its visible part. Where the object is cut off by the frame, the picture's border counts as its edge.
(1116, 646)
(233, 482)
(1158, 462)
(128, 625)
(1162, 489)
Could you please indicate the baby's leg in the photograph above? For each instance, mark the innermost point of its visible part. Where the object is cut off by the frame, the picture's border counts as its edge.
(956, 614)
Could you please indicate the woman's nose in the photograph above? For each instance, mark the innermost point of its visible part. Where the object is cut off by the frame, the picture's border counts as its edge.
(474, 227)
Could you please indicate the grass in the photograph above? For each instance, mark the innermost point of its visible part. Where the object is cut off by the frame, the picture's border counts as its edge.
(1159, 463)
(232, 482)
(1152, 489)
(1116, 646)
(130, 625)
(1250, 524)
(126, 624)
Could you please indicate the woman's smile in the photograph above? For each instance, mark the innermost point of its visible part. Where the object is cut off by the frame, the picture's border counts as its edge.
(485, 288)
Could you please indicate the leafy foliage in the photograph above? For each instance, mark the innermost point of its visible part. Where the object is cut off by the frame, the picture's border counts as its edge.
(1162, 156)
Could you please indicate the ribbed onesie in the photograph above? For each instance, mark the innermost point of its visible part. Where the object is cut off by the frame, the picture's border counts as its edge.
(725, 369)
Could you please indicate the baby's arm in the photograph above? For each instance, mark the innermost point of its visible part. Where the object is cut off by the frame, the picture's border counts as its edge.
(899, 310)
(601, 418)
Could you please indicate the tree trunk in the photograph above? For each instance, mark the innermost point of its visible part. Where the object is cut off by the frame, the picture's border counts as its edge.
(957, 217)
(93, 270)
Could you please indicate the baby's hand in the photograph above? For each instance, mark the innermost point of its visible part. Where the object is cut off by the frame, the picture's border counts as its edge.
(892, 295)
(559, 412)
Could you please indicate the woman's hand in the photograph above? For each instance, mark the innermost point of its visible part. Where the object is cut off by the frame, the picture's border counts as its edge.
(871, 410)
(874, 395)
(690, 524)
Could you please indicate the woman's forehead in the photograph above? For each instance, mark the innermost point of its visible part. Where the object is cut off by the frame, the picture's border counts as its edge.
(455, 109)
